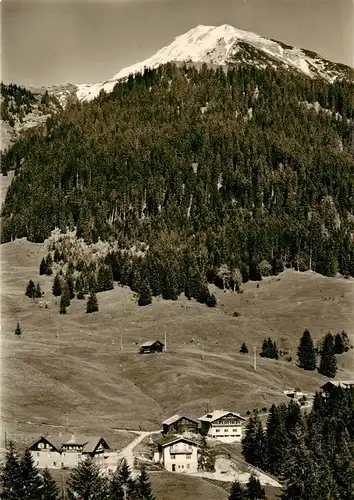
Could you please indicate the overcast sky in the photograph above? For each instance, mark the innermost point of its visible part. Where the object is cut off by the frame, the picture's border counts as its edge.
(57, 41)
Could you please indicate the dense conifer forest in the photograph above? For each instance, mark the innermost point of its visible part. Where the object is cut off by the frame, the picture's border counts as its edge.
(17, 102)
(251, 169)
(22, 480)
(312, 454)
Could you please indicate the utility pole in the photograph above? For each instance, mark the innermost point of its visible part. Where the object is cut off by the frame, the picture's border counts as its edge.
(254, 358)
(165, 342)
(67, 422)
(121, 341)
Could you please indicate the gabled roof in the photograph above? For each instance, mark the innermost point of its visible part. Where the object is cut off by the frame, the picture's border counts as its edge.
(89, 444)
(55, 441)
(172, 420)
(172, 440)
(339, 383)
(215, 415)
(149, 343)
(176, 418)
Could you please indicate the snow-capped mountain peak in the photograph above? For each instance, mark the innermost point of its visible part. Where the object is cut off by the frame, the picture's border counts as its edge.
(222, 45)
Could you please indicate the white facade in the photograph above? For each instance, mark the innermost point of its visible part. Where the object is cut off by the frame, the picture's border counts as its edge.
(47, 458)
(223, 426)
(56, 460)
(45, 454)
(225, 432)
(180, 455)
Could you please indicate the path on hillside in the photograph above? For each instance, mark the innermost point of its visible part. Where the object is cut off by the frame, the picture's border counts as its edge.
(128, 451)
(219, 474)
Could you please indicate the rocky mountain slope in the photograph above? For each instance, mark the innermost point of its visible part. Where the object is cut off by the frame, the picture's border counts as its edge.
(22, 109)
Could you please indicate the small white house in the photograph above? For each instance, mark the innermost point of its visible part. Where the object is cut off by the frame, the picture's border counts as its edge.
(178, 454)
(224, 426)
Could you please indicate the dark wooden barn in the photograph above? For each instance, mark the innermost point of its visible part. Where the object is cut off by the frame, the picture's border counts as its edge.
(179, 425)
(151, 346)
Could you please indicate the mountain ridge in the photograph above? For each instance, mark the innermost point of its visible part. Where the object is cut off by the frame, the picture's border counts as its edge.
(212, 45)
(224, 45)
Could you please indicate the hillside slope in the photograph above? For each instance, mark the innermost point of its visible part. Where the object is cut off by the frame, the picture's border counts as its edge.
(247, 169)
(23, 109)
(73, 364)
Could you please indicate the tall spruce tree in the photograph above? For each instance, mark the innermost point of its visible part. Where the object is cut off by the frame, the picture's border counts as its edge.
(65, 298)
(18, 329)
(343, 467)
(115, 487)
(108, 278)
(328, 362)
(306, 352)
(339, 345)
(13, 484)
(206, 458)
(50, 489)
(269, 349)
(56, 290)
(237, 492)
(43, 267)
(92, 303)
(277, 439)
(38, 291)
(71, 286)
(86, 482)
(254, 442)
(244, 348)
(79, 289)
(62, 306)
(143, 487)
(145, 297)
(254, 489)
(170, 283)
(254, 272)
(124, 476)
(57, 255)
(31, 289)
(32, 481)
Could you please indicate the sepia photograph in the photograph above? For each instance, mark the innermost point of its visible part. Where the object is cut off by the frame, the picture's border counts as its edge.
(177, 250)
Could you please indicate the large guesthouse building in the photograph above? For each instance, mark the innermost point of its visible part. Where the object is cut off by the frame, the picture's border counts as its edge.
(55, 452)
(221, 425)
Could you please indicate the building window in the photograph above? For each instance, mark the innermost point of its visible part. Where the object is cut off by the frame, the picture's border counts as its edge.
(189, 457)
(235, 430)
(40, 445)
(54, 464)
(38, 454)
(217, 430)
(173, 457)
(62, 464)
(188, 466)
(226, 430)
(37, 463)
(79, 455)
